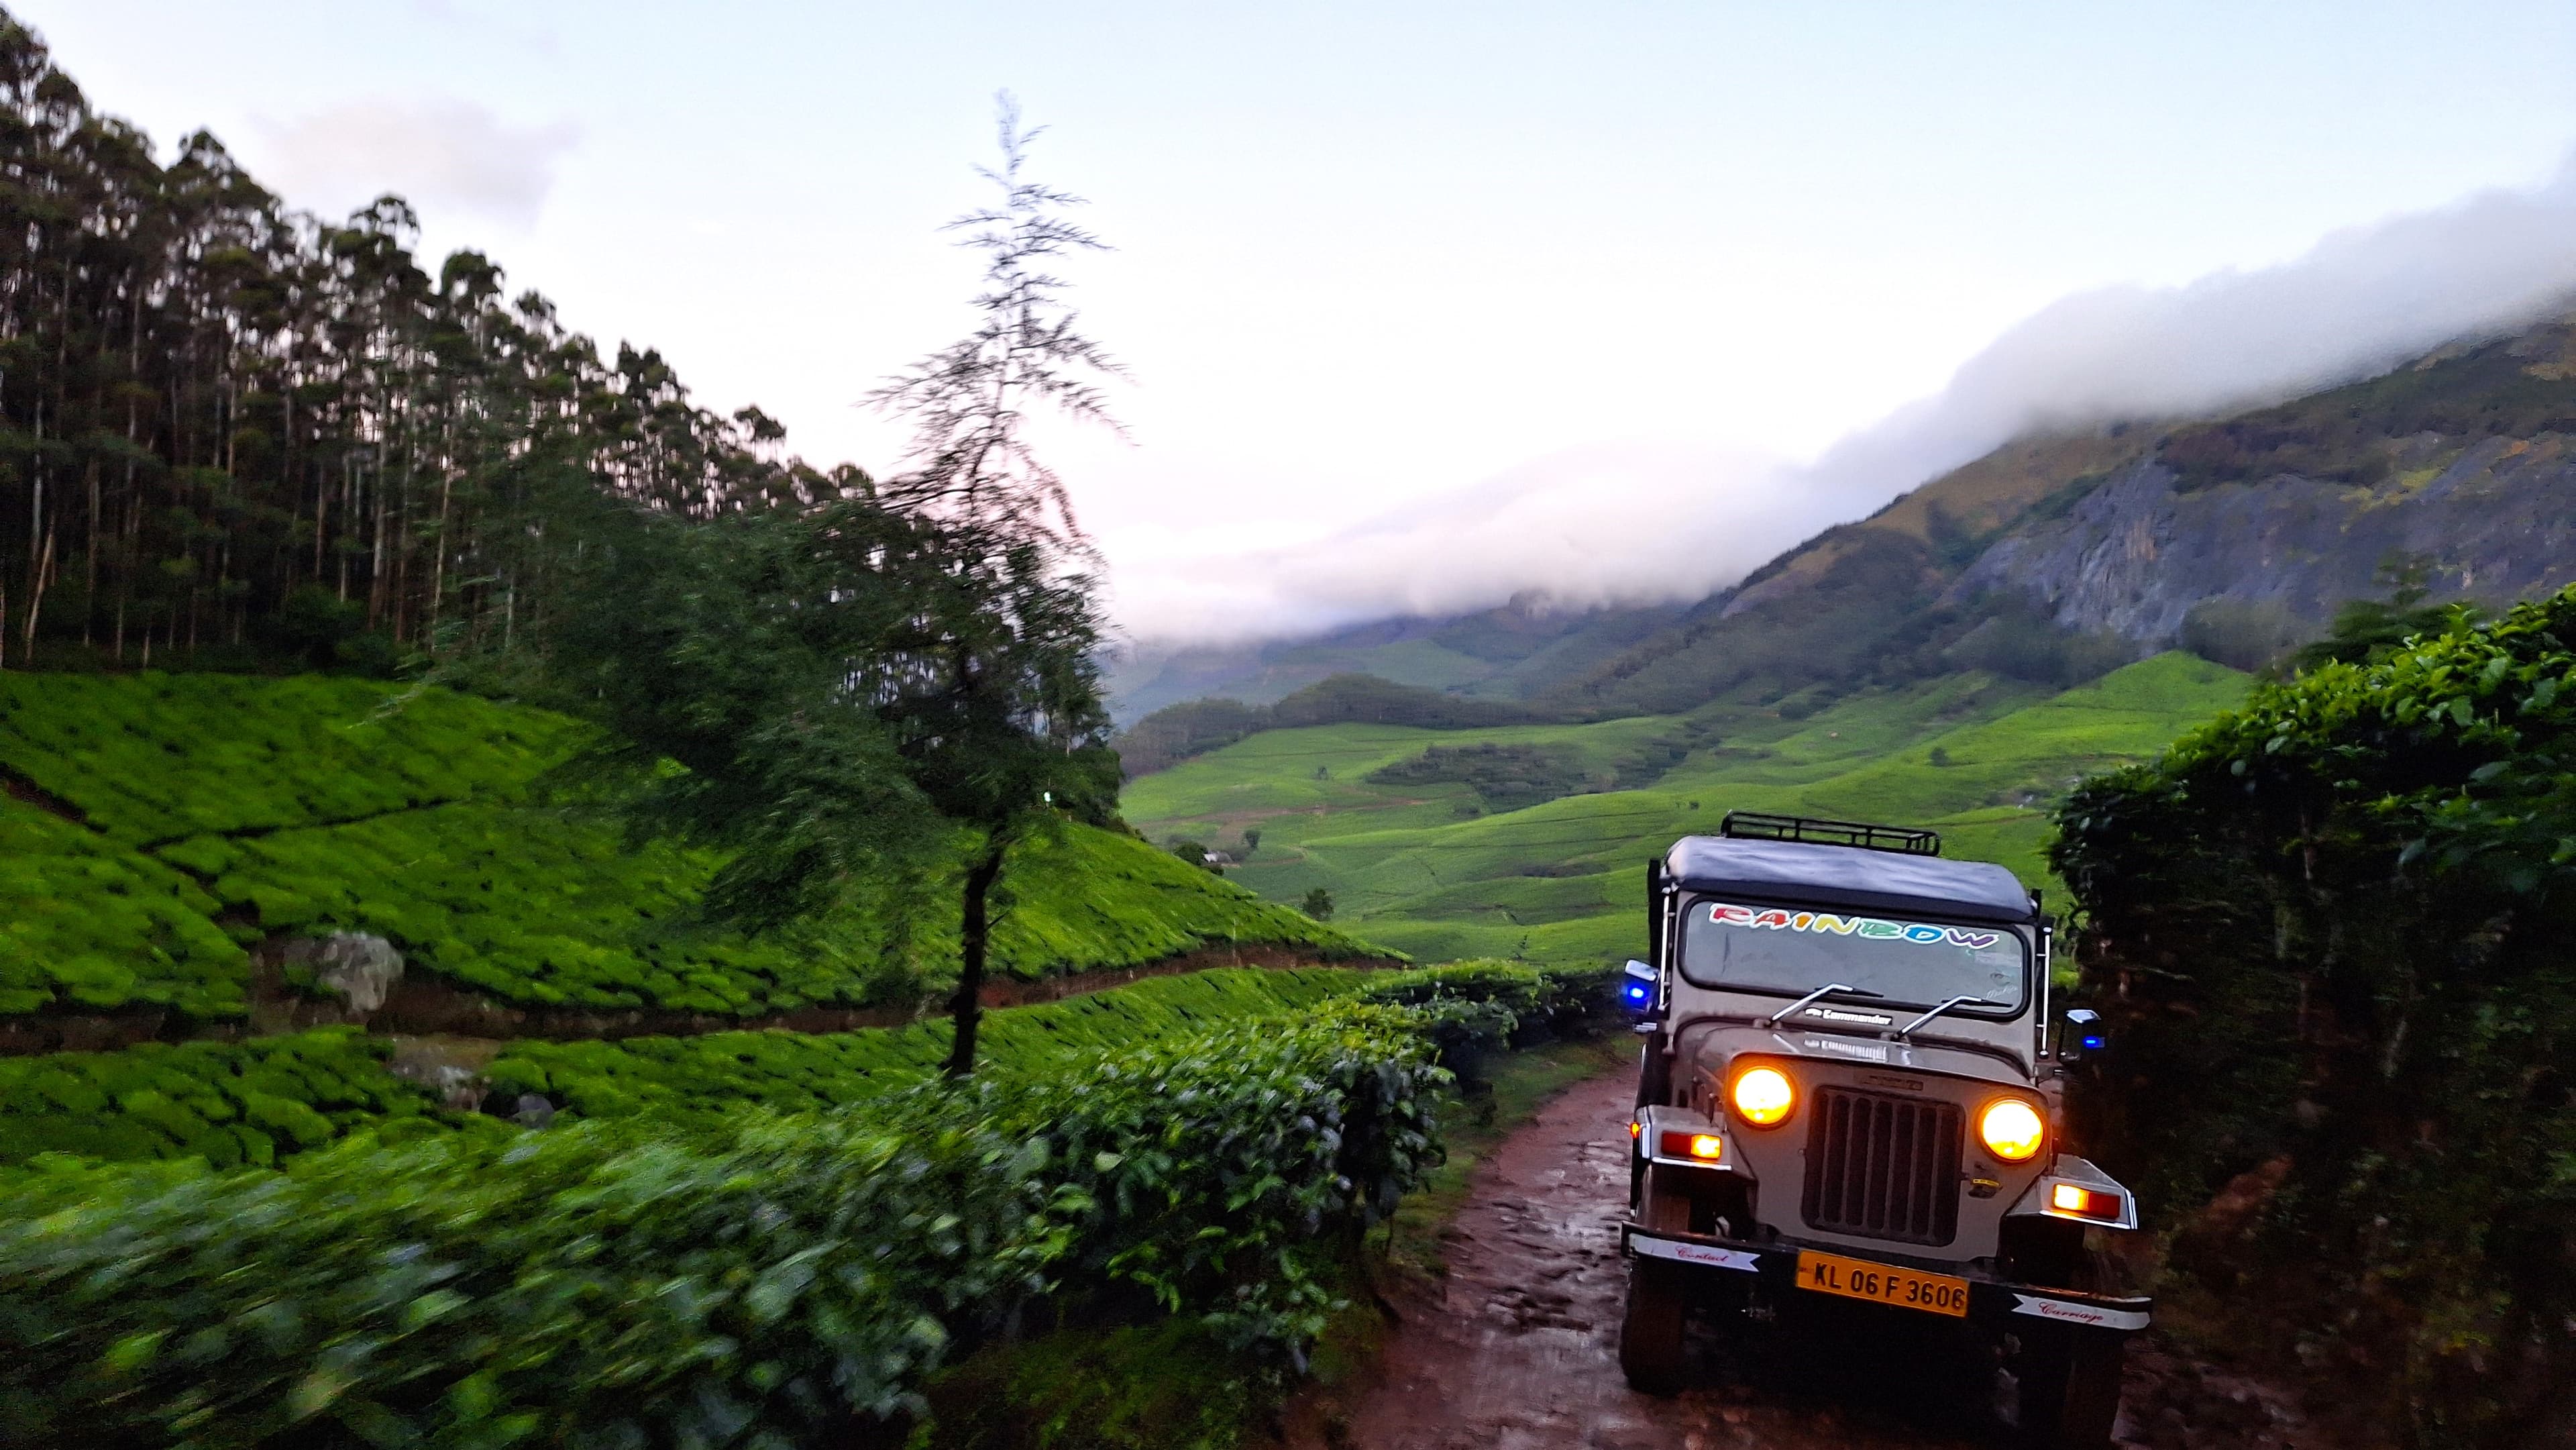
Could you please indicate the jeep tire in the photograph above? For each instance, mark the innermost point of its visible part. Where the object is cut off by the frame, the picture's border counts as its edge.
(2068, 1383)
(1650, 1336)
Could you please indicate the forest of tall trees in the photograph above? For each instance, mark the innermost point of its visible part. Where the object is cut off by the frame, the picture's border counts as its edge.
(232, 432)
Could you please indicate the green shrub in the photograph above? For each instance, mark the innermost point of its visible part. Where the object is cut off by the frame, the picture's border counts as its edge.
(2330, 930)
(231, 1104)
(600, 1286)
(1472, 1009)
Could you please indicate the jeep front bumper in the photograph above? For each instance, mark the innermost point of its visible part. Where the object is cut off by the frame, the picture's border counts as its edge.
(1993, 1302)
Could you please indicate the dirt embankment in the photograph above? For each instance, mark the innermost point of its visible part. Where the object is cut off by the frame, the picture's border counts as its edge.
(1518, 1348)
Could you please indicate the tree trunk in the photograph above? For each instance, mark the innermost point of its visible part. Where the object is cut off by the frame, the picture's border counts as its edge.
(966, 1010)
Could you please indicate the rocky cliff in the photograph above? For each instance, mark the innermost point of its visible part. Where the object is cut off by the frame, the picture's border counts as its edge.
(2494, 520)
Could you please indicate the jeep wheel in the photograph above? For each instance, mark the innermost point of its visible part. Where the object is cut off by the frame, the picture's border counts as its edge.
(1650, 1337)
(2069, 1383)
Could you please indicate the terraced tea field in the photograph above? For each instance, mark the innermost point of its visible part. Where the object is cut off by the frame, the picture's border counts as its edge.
(1427, 853)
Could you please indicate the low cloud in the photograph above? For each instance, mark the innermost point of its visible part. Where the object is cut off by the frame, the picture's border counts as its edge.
(445, 156)
(1637, 525)
(1604, 525)
(2358, 302)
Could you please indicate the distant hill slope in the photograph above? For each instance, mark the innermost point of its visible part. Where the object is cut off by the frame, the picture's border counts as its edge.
(1424, 859)
(1510, 652)
(163, 834)
(1177, 732)
(2238, 534)
(2056, 557)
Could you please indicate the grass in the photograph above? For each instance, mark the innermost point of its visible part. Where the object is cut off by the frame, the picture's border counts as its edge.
(1422, 868)
(187, 817)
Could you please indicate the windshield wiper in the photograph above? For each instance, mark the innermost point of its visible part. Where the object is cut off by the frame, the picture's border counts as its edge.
(1907, 1030)
(1803, 1003)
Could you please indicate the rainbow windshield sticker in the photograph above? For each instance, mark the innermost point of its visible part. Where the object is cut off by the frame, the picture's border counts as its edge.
(1866, 927)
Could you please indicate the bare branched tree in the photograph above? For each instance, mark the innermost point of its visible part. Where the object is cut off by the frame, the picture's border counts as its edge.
(970, 459)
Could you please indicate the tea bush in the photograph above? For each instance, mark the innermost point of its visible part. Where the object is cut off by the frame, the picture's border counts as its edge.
(155, 757)
(192, 1099)
(308, 805)
(231, 1104)
(527, 905)
(1468, 1009)
(2330, 931)
(1097, 899)
(88, 924)
(1542, 1001)
(699, 1079)
(534, 907)
(602, 1286)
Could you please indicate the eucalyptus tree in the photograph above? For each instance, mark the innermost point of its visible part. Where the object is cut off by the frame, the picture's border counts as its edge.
(228, 425)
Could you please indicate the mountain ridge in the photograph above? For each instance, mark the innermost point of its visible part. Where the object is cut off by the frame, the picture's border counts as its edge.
(2057, 554)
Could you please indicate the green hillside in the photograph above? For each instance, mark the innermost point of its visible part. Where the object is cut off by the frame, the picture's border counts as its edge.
(256, 1102)
(1423, 865)
(164, 825)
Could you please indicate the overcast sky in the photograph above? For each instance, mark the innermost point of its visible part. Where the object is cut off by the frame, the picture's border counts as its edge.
(1382, 265)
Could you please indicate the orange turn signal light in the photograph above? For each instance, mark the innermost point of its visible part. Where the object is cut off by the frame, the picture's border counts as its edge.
(1705, 1147)
(2093, 1203)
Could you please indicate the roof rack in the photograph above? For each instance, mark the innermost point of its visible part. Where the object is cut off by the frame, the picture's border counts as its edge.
(1759, 826)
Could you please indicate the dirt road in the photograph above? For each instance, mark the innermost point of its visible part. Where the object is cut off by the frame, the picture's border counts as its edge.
(1519, 1348)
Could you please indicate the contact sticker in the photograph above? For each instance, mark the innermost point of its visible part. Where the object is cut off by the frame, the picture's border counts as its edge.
(1709, 1254)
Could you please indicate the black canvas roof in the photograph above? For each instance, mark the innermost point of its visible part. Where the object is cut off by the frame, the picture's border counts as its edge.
(1847, 876)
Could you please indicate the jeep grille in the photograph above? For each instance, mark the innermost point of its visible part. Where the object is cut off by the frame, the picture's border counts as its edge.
(1884, 1167)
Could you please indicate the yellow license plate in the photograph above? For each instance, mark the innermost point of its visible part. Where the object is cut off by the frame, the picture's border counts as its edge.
(1883, 1284)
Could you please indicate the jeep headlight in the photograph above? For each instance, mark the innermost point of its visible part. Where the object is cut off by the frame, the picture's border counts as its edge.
(1763, 1096)
(2012, 1129)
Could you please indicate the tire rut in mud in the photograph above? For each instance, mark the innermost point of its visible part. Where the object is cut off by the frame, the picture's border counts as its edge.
(1518, 1349)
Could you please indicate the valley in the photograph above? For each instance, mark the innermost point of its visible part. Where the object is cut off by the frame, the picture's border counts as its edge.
(1431, 868)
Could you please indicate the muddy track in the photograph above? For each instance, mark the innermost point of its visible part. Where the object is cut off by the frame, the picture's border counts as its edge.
(1518, 1348)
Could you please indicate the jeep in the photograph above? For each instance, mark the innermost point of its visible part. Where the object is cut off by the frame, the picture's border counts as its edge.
(1851, 1093)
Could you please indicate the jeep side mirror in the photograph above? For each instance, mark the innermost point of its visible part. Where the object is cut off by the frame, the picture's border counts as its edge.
(2082, 1034)
(1638, 985)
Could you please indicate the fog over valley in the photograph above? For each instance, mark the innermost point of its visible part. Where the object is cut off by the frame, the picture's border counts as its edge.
(1634, 522)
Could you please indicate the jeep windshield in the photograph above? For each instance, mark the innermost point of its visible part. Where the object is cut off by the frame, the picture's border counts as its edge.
(1791, 952)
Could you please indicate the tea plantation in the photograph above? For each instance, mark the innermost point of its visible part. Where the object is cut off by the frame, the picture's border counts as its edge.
(164, 824)
(258, 1102)
(1423, 852)
(229, 1103)
(750, 1235)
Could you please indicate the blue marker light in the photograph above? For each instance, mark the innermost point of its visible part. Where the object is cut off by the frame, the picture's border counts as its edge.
(2093, 1044)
